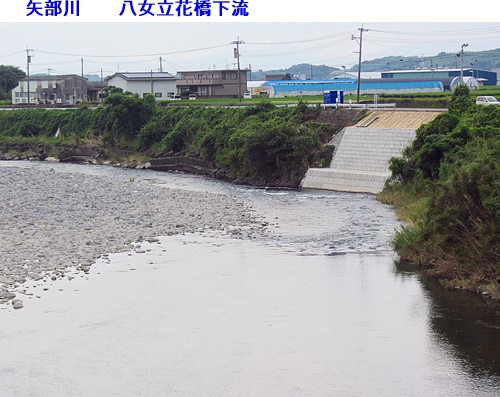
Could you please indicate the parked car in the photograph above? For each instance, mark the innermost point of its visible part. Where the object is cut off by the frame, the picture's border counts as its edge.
(192, 96)
(487, 100)
(247, 95)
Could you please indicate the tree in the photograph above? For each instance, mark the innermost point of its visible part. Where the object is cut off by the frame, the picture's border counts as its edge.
(9, 78)
(460, 100)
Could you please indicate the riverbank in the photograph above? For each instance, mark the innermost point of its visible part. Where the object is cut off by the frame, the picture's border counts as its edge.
(52, 221)
(445, 187)
(423, 253)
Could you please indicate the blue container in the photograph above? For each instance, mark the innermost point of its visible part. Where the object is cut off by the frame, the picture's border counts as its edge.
(333, 97)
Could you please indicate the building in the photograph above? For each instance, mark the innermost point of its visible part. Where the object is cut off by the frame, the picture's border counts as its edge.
(274, 77)
(162, 85)
(213, 83)
(497, 71)
(283, 88)
(51, 89)
(484, 77)
(95, 91)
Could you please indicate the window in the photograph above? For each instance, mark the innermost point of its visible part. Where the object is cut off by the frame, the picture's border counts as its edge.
(158, 94)
(223, 76)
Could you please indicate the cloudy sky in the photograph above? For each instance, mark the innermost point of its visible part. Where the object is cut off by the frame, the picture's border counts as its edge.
(58, 48)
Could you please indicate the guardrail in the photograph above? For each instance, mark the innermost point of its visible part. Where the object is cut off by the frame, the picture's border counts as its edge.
(360, 105)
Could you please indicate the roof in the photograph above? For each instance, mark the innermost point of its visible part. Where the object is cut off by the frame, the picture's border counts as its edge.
(139, 76)
(51, 77)
(374, 85)
(213, 70)
(436, 70)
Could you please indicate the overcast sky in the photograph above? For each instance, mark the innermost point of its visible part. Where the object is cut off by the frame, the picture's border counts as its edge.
(59, 47)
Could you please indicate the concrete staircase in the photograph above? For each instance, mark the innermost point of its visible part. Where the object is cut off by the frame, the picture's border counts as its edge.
(361, 161)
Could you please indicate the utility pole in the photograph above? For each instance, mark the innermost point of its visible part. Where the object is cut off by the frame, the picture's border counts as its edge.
(237, 56)
(82, 82)
(359, 40)
(28, 61)
(161, 65)
(152, 82)
(462, 62)
(102, 93)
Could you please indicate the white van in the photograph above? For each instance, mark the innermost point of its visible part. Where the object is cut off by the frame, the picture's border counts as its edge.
(487, 100)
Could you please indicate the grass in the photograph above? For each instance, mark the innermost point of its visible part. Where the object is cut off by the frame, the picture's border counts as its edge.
(425, 99)
(410, 205)
(311, 99)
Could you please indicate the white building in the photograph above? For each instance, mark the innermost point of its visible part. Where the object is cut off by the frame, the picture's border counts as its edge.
(66, 89)
(162, 85)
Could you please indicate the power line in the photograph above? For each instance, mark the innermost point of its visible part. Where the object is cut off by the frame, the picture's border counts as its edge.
(303, 41)
(136, 55)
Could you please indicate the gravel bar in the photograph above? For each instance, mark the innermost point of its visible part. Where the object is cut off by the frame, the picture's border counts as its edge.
(51, 221)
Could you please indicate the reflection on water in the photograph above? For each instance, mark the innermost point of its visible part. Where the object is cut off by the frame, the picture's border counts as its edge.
(467, 324)
(317, 308)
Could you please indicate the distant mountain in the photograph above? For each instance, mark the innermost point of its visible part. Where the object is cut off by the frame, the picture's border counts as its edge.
(303, 71)
(485, 60)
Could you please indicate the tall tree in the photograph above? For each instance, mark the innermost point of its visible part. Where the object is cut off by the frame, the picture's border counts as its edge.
(9, 77)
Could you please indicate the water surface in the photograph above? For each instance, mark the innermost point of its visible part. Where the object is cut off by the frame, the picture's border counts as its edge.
(316, 308)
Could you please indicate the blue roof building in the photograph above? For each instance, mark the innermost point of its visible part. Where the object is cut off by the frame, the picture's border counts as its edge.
(283, 88)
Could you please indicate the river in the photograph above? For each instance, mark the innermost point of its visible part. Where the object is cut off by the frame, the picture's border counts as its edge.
(318, 307)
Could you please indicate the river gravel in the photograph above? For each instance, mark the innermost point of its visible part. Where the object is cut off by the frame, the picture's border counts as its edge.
(53, 221)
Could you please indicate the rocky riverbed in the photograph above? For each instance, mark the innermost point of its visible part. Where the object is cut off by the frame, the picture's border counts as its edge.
(52, 221)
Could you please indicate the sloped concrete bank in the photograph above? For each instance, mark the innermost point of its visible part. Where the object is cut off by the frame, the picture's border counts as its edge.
(360, 162)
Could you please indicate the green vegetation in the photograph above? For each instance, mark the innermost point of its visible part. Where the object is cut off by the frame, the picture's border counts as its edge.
(9, 79)
(447, 188)
(261, 144)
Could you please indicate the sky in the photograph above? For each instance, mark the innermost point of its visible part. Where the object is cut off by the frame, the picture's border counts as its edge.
(58, 48)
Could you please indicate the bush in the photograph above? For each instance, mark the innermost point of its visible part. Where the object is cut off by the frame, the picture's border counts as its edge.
(453, 165)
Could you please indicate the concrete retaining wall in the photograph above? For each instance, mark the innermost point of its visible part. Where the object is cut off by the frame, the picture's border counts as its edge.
(361, 161)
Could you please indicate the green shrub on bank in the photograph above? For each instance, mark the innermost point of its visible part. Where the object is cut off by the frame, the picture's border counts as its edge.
(262, 144)
(452, 170)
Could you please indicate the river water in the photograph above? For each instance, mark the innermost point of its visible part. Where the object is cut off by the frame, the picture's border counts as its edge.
(319, 307)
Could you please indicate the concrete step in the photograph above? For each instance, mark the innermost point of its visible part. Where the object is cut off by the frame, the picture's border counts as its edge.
(345, 180)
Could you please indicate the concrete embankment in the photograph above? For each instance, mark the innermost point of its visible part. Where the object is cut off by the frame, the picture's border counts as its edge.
(361, 160)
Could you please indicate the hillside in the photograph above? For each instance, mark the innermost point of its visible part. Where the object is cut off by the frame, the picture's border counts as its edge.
(485, 60)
